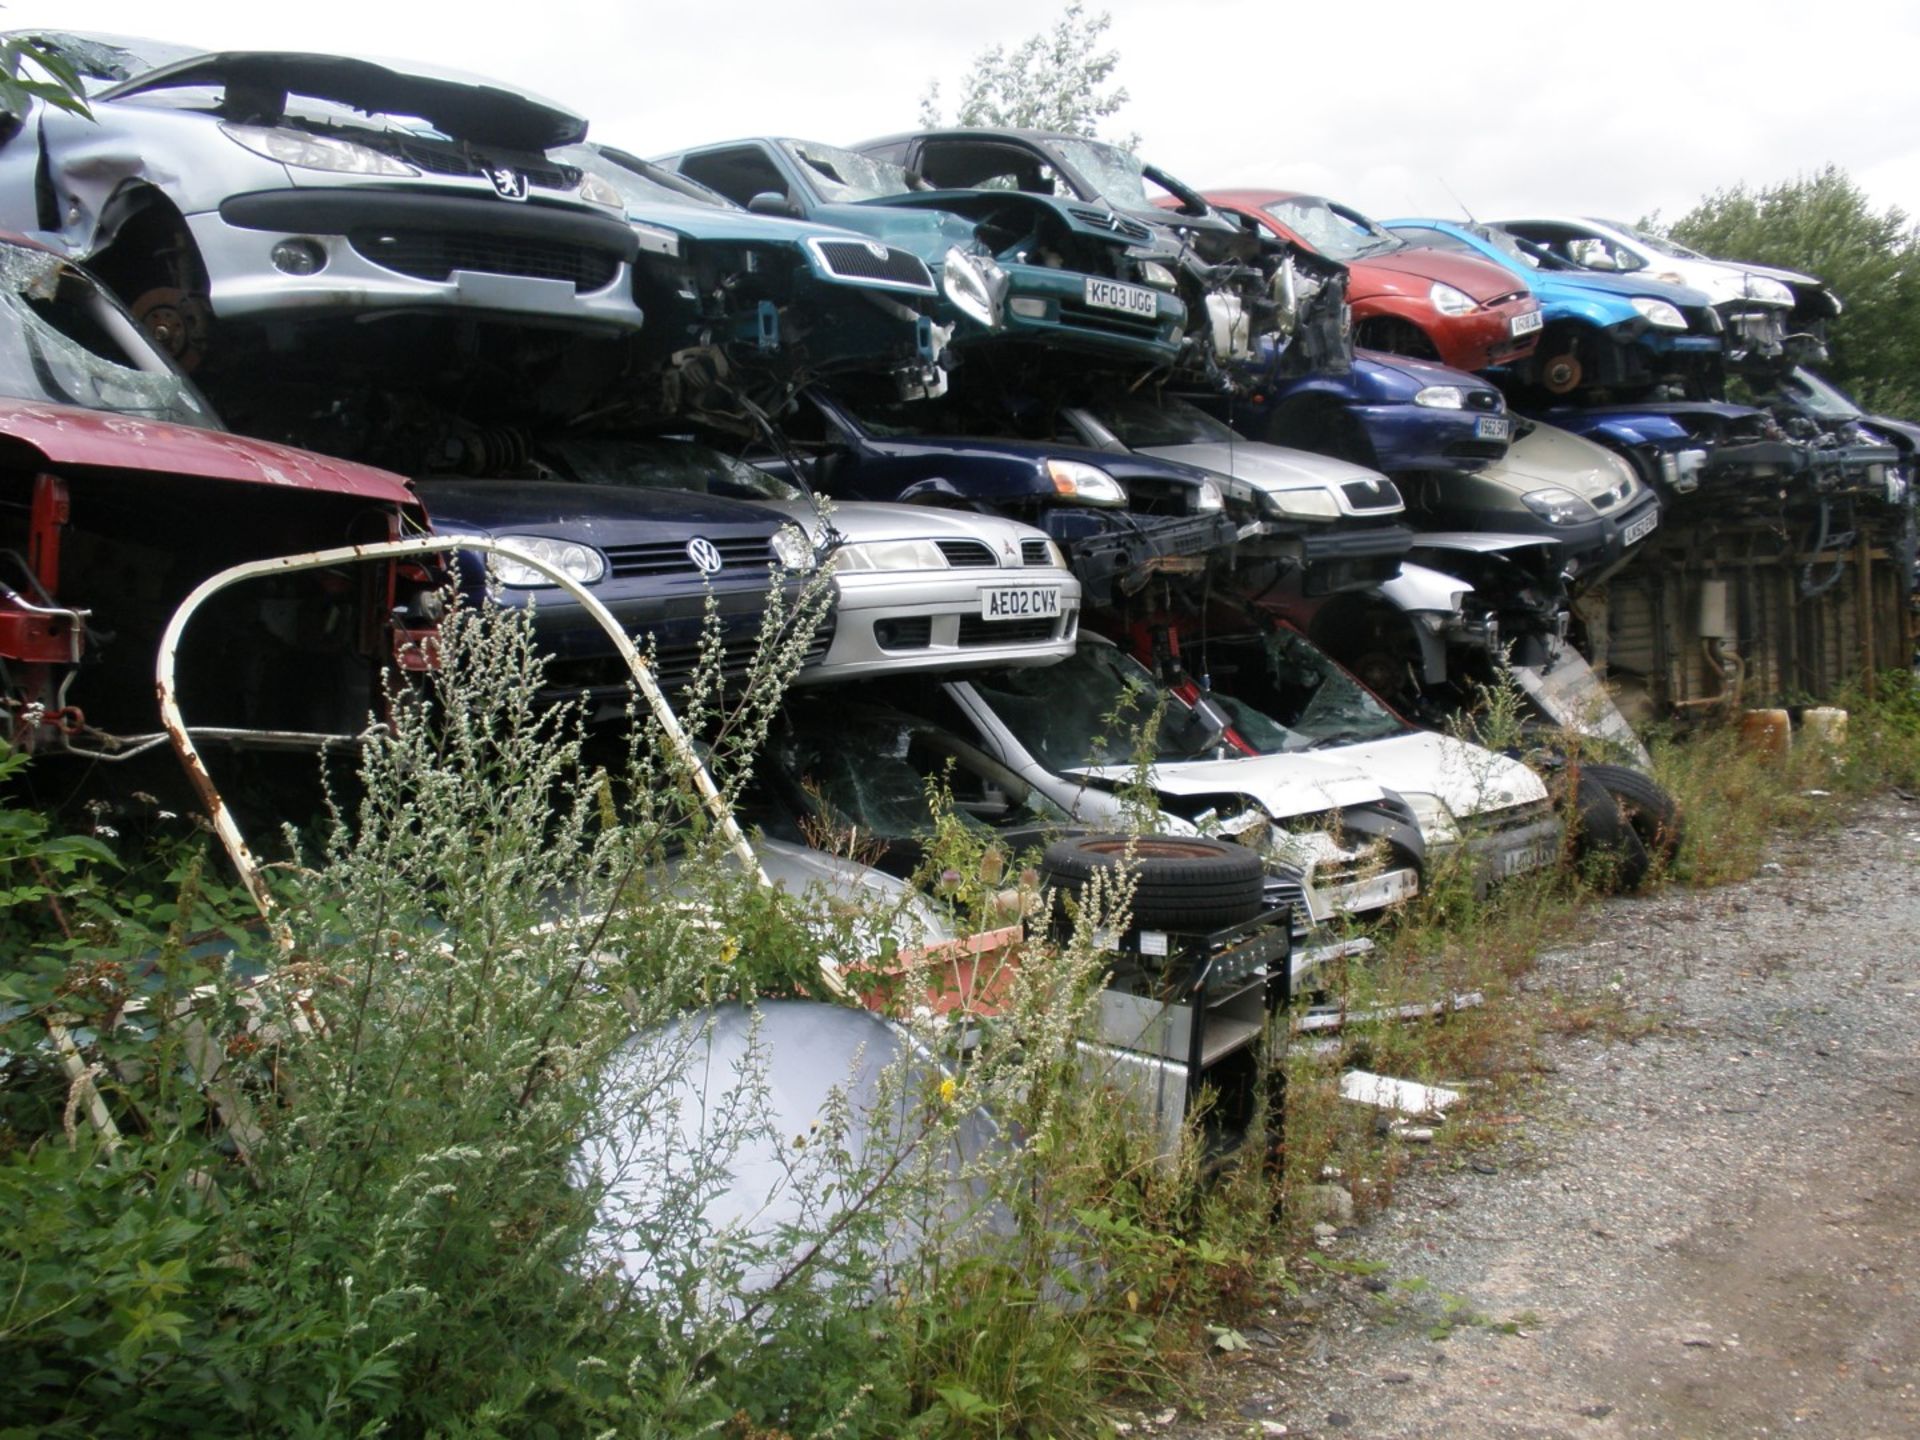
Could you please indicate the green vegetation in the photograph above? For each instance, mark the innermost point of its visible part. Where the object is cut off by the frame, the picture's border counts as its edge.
(347, 1199)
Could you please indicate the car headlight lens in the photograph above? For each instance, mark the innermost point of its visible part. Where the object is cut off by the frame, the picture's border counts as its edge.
(889, 555)
(792, 548)
(1209, 497)
(1303, 504)
(581, 563)
(1449, 301)
(1557, 506)
(1152, 272)
(1762, 287)
(1441, 397)
(596, 191)
(1430, 813)
(1088, 484)
(314, 152)
(969, 282)
(1659, 313)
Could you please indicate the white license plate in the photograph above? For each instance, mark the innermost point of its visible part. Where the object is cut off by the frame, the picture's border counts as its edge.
(1020, 602)
(1493, 427)
(1532, 857)
(1526, 324)
(1643, 527)
(1132, 299)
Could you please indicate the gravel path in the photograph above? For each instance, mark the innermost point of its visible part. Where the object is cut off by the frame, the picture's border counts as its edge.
(1710, 1231)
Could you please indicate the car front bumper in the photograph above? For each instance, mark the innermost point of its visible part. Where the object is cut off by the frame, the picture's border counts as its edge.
(921, 621)
(1408, 437)
(1050, 306)
(401, 250)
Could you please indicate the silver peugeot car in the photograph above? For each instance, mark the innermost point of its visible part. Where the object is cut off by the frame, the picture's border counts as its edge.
(256, 184)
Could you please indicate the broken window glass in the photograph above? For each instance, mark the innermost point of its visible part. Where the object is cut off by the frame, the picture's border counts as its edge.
(841, 176)
(68, 342)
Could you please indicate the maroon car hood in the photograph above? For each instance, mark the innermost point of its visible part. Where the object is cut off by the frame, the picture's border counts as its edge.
(100, 440)
(1412, 272)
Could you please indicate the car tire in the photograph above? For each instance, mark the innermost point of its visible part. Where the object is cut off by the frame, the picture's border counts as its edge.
(1648, 810)
(1605, 845)
(1181, 882)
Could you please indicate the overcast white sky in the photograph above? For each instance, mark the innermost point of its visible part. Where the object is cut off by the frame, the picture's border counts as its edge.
(1575, 105)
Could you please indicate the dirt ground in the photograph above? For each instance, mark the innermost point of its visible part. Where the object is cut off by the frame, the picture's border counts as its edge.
(1711, 1230)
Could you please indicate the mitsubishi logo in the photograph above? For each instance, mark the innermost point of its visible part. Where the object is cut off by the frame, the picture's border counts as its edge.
(1010, 552)
(510, 183)
(705, 555)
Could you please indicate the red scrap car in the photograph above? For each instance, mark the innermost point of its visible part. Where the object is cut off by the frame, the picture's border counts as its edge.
(1428, 304)
(120, 492)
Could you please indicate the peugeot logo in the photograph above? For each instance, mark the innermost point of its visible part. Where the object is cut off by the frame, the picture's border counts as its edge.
(510, 183)
(705, 555)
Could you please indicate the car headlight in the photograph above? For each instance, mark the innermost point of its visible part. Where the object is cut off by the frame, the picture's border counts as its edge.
(1303, 504)
(1557, 506)
(792, 548)
(1152, 272)
(580, 563)
(1762, 287)
(1087, 484)
(1430, 813)
(1658, 313)
(1449, 301)
(314, 152)
(888, 555)
(1441, 397)
(596, 191)
(1209, 497)
(969, 282)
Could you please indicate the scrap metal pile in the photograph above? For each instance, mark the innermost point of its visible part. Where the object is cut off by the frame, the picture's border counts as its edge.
(1092, 442)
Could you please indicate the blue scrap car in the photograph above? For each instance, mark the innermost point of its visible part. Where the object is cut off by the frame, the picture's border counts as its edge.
(1605, 331)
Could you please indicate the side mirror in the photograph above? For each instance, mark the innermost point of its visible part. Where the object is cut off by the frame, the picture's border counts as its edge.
(773, 202)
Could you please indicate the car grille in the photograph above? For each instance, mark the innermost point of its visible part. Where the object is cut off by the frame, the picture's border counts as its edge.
(1506, 299)
(852, 260)
(1372, 494)
(669, 557)
(1107, 220)
(1477, 449)
(1514, 817)
(1278, 890)
(975, 631)
(435, 255)
(1034, 552)
(673, 665)
(1112, 322)
(966, 554)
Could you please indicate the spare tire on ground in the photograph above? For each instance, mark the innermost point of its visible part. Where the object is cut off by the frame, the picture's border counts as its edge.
(1182, 882)
(1627, 818)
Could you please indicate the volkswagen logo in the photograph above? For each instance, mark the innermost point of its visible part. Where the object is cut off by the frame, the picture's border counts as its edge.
(510, 183)
(705, 555)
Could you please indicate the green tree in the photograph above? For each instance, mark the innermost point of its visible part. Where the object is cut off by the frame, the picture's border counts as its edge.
(1049, 81)
(1823, 224)
(21, 57)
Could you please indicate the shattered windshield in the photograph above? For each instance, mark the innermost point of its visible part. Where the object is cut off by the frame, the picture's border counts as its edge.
(103, 61)
(1092, 709)
(1338, 234)
(842, 177)
(1316, 698)
(873, 768)
(1141, 424)
(669, 465)
(69, 342)
(1116, 174)
(1821, 397)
